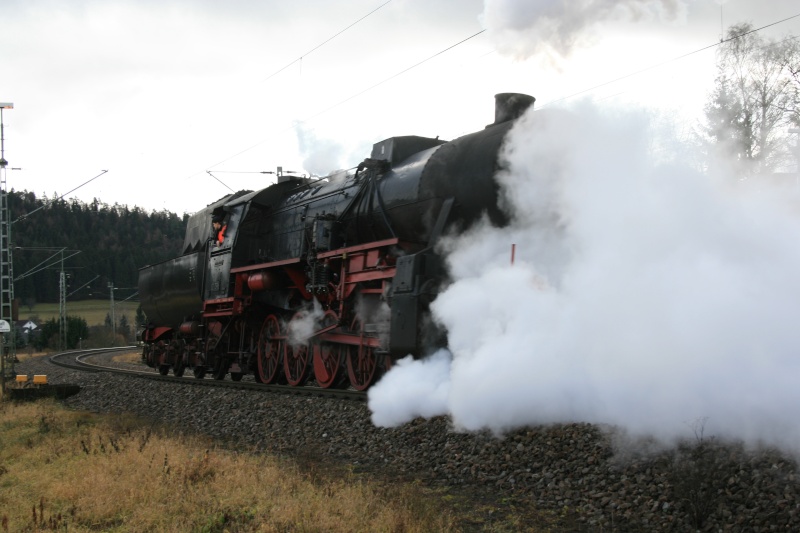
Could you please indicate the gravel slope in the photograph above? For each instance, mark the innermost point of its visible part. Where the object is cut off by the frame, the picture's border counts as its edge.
(573, 468)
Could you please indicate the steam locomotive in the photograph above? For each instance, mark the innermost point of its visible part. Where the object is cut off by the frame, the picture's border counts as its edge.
(327, 279)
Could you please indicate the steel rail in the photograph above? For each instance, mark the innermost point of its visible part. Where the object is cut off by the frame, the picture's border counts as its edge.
(81, 360)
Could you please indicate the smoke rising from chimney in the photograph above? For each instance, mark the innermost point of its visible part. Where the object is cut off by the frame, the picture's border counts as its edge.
(523, 28)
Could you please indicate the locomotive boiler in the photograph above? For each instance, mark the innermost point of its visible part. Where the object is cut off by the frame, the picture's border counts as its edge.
(325, 279)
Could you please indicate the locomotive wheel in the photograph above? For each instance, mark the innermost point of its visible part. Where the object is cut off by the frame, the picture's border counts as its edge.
(220, 369)
(180, 363)
(198, 363)
(295, 364)
(147, 355)
(363, 365)
(328, 358)
(219, 366)
(270, 351)
(296, 359)
(151, 355)
(328, 362)
(162, 358)
(236, 376)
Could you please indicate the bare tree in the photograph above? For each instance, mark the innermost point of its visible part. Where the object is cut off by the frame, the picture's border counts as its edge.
(756, 100)
(793, 67)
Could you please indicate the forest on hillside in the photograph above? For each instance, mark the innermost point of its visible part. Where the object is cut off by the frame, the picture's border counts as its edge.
(101, 244)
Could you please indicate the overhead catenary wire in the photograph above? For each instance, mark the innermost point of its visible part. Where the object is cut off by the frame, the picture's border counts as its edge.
(342, 102)
(394, 76)
(82, 286)
(662, 63)
(26, 215)
(219, 180)
(620, 78)
(38, 268)
(323, 43)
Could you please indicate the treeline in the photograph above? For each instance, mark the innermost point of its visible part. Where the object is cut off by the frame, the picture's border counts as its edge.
(113, 242)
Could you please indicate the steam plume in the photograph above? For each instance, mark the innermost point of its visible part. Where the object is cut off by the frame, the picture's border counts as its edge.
(522, 28)
(644, 295)
(319, 154)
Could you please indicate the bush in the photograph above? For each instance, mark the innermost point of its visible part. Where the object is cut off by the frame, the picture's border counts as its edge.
(50, 334)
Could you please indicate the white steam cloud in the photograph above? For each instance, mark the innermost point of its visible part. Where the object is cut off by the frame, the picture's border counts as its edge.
(522, 28)
(412, 388)
(319, 155)
(303, 325)
(644, 295)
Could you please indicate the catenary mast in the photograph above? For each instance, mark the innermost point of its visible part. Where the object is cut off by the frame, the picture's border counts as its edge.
(6, 265)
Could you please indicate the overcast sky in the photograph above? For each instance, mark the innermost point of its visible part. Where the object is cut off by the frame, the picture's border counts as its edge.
(160, 91)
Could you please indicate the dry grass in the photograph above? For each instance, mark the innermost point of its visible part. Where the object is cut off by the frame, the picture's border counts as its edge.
(29, 353)
(65, 470)
(93, 311)
(134, 356)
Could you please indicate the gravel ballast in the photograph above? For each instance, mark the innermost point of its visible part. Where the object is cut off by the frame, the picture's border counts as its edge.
(581, 470)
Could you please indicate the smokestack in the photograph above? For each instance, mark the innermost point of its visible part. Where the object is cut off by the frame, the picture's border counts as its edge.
(510, 106)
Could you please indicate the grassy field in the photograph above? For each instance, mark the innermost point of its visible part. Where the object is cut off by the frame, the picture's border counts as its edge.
(93, 311)
(75, 471)
(63, 470)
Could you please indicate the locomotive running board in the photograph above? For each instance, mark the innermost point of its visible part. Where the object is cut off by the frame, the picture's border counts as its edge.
(323, 255)
(358, 248)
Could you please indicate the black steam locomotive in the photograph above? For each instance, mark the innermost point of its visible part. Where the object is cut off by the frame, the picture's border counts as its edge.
(327, 279)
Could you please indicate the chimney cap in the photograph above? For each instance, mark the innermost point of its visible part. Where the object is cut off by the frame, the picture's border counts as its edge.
(511, 106)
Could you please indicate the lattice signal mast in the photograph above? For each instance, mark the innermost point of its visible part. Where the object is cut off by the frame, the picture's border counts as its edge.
(6, 267)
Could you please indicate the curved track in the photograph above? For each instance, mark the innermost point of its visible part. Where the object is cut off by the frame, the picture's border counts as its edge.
(96, 360)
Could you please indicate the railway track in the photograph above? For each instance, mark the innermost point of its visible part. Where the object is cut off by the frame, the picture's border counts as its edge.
(98, 360)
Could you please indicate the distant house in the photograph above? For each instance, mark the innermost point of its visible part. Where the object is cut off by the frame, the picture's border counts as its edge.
(25, 330)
